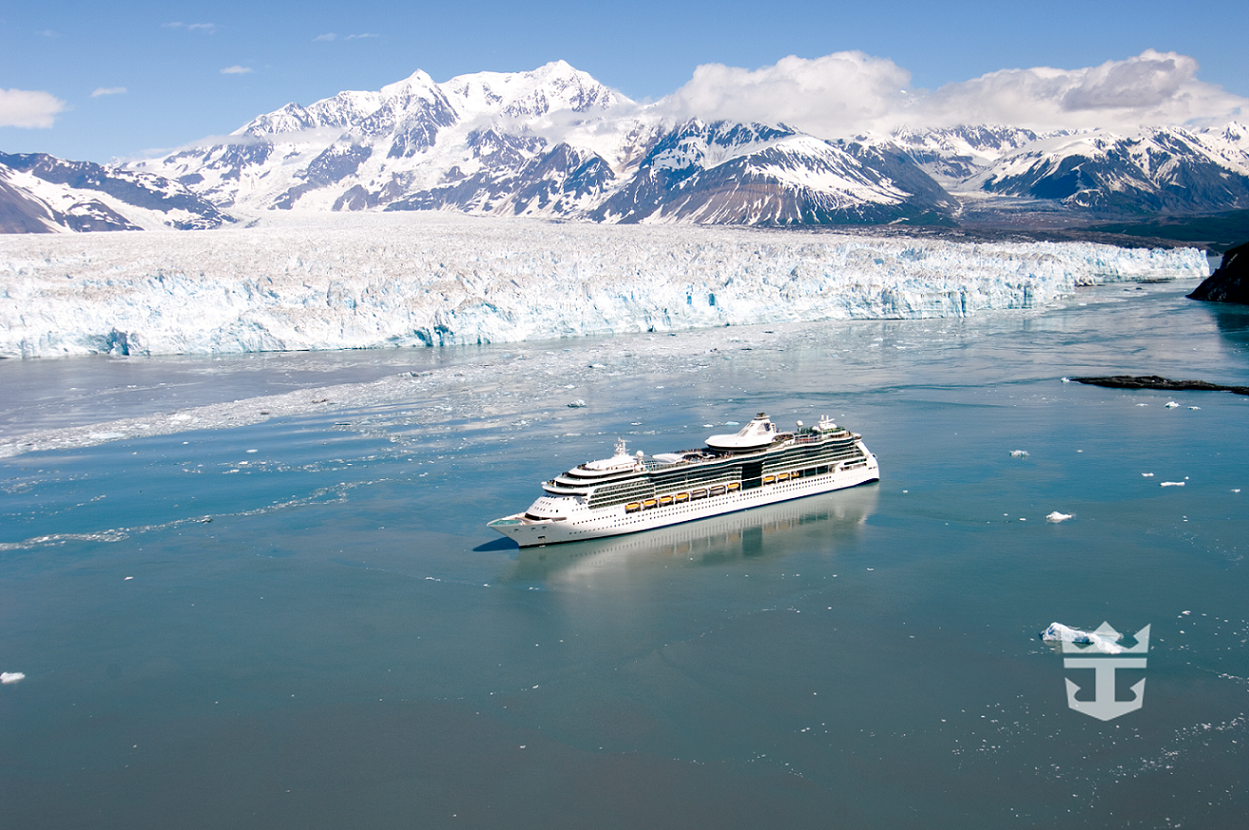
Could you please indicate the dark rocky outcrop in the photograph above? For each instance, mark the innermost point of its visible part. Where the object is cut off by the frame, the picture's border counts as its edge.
(1230, 283)
(1155, 382)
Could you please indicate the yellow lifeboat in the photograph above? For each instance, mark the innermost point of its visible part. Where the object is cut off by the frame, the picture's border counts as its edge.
(769, 479)
(734, 486)
(649, 503)
(633, 507)
(682, 497)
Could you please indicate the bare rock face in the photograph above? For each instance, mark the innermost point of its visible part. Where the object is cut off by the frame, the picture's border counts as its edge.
(1230, 283)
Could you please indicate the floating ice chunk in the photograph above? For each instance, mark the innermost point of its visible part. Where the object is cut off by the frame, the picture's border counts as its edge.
(1147, 475)
(11, 677)
(1194, 407)
(1066, 380)
(1057, 517)
(1170, 484)
(1142, 404)
(1018, 453)
(1059, 633)
(1172, 405)
(577, 404)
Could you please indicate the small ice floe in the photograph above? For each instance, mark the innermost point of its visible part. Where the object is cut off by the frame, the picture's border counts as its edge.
(1105, 643)
(11, 677)
(1142, 404)
(1194, 407)
(1056, 517)
(1172, 405)
(597, 366)
(1147, 475)
(1170, 484)
(577, 404)
(1018, 453)
(1066, 380)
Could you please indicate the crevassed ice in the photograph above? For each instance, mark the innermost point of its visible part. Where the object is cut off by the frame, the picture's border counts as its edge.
(379, 281)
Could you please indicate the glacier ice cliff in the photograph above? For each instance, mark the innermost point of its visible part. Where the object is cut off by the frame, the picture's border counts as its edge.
(381, 281)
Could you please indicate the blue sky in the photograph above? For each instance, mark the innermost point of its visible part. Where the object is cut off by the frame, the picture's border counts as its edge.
(89, 80)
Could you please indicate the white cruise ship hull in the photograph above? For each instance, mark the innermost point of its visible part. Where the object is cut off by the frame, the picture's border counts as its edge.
(581, 522)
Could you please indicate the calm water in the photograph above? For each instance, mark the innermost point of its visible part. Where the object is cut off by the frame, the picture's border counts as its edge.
(304, 623)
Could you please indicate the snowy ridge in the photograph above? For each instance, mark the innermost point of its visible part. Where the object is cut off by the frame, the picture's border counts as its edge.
(401, 280)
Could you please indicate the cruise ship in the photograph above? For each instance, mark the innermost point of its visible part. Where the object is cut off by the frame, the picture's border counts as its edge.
(758, 465)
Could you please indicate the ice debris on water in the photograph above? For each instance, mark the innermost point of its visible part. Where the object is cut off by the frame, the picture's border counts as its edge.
(1170, 484)
(1018, 453)
(577, 404)
(1147, 475)
(1105, 643)
(1172, 405)
(1057, 517)
(11, 677)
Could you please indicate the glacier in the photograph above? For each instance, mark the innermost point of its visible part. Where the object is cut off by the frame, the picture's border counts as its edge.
(372, 281)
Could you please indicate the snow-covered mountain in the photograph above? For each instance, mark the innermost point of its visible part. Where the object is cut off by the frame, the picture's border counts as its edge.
(953, 155)
(42, 194)
(554, 143)
(1171, 169)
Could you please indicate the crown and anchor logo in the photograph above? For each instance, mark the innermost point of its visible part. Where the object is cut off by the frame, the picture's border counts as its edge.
(1104, 706)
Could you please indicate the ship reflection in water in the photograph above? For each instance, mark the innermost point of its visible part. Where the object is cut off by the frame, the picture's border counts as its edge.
(822, 520)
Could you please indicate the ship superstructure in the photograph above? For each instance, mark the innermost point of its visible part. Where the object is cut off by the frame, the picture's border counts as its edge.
(758, 465)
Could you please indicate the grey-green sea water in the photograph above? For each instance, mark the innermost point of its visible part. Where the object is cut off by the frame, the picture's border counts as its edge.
(259, 591)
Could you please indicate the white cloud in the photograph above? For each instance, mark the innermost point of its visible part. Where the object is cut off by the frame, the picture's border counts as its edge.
(849, 92)
(202, 28)
(109, 90)
(328, 36)
(236, 70)
(27, 108)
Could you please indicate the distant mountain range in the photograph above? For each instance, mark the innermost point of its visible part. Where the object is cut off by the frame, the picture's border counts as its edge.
(556, 143)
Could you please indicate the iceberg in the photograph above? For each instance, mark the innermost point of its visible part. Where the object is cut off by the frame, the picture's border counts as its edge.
(1059, 633)
(363, 281)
